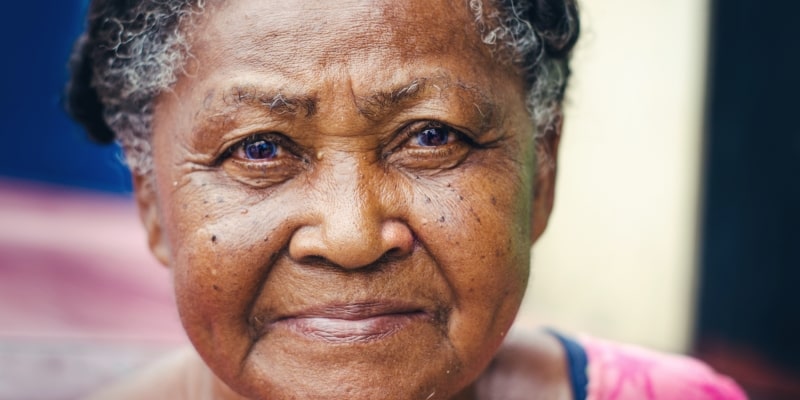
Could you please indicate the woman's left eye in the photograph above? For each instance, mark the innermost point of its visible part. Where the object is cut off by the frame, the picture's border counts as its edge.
(431, 145)
(434, 135)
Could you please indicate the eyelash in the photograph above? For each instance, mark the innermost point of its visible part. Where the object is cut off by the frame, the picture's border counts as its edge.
(414, 130)
(278, 140)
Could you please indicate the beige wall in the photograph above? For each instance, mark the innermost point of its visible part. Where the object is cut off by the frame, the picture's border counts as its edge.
(618, 259)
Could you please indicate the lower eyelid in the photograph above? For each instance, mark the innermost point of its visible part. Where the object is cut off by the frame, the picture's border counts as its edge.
(435, 151)
(259, 176)
(272, 171)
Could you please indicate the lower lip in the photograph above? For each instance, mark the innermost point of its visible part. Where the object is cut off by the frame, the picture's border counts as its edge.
(336, 330)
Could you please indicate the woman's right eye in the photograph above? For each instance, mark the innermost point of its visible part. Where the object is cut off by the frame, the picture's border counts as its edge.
(435, 135)
(262, 160)
(257, 148)
(260, 150)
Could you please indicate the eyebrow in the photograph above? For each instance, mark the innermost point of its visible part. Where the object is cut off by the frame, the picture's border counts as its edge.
(373, 106)
(379, 103)
(273, 101)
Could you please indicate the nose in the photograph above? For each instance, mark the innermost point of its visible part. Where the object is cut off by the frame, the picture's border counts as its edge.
(355, 222)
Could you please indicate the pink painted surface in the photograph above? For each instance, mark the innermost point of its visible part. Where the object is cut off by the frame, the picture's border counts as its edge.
(624, 372)
(81, 299)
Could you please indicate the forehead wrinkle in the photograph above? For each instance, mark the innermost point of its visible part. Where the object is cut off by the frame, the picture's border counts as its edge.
(282, 30)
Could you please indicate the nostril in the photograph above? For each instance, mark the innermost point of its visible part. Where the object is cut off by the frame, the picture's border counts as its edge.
(315, 260)
(403, 249)
(392, 255)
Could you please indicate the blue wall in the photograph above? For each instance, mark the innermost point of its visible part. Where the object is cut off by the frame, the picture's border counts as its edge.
(40, 142)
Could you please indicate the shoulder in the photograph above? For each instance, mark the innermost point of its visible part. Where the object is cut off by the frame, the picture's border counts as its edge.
(177, 375)
(529, 365)
(621, 372)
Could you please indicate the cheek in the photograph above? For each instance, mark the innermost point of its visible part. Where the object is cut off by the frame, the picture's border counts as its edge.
(222, 249)
(478, 230)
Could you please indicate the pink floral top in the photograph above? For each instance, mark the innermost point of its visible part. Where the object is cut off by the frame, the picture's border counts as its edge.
(622, 372)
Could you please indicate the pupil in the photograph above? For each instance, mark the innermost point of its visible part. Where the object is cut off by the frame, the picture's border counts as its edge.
(260, 150)
(433, 137)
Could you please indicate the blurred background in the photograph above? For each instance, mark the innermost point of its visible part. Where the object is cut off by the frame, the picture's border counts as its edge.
(676, 226)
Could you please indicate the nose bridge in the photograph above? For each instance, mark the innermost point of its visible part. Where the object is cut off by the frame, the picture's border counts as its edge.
(354, 225)
(355, 212)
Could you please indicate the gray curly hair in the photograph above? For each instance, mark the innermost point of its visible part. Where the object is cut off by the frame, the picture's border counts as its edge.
(132, 51)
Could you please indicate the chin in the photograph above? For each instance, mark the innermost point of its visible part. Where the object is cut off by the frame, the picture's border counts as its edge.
(415, 363)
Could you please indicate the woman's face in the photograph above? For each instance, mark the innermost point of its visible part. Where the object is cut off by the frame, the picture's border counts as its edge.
(344, 192)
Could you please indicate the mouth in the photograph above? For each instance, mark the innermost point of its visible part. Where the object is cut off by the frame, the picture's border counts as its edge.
(351, 323)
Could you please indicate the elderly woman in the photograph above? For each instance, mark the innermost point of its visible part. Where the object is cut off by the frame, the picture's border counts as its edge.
(347, 193)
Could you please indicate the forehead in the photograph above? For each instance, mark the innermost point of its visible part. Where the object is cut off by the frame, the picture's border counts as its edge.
(323, 56)
(312, 35)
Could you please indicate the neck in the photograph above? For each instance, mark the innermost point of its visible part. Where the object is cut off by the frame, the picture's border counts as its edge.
(469, 393)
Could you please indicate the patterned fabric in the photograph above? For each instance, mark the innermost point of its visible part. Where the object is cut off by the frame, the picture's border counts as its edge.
(624, 372)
